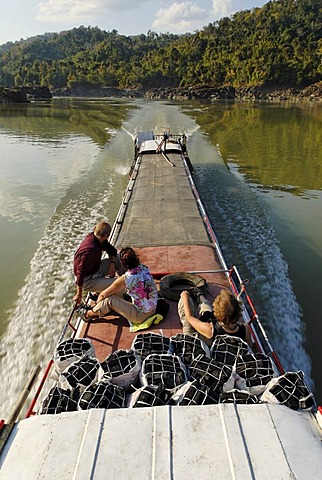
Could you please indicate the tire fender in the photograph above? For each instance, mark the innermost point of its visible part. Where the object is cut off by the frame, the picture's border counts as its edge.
(173, 284)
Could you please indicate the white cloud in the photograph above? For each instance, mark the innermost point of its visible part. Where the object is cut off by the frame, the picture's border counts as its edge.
(222, 8)
(179, 17)
(65, 11)
(73, 11)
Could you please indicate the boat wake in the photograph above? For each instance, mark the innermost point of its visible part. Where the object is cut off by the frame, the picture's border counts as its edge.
(132, 135)
(40, 312)
(248, 241)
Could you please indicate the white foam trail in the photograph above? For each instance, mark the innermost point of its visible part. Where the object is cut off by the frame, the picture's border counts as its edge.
(249, 241)
(132, 135)
(111, 131)
(40, 312)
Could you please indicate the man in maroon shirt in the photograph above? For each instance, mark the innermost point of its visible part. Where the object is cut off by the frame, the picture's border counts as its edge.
(93, 273)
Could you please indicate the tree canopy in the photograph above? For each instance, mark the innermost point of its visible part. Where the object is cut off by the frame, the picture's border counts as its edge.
(278, 44)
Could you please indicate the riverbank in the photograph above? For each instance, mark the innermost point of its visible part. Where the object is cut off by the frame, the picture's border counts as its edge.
(313, 92)
(23, 94)
(198, 92)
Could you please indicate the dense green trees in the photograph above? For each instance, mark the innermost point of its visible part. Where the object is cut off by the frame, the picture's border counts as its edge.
(280, 44)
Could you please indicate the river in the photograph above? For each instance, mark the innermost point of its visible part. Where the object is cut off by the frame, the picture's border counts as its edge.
(64, 165)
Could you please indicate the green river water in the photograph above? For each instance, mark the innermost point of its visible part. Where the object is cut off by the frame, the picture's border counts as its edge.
(64, 164)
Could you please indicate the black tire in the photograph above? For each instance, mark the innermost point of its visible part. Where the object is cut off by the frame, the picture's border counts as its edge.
(173, 284)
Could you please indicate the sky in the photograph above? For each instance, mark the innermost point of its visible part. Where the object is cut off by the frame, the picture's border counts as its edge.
(21, 19)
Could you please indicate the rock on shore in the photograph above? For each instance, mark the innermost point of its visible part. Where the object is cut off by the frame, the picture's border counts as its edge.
(83, 89)
(313, 92)
(199, 92)
(23, 94)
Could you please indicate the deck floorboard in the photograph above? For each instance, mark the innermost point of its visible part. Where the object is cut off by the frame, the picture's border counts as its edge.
(162, 209)
(112, 332)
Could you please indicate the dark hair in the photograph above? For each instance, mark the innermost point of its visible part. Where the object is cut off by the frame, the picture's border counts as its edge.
(129, 258)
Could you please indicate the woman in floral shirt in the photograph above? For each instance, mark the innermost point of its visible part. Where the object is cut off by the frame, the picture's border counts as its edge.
(137, 283)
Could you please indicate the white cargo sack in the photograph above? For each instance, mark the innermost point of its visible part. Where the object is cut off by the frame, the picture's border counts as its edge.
(191, 393)
(226, 348)
(58, 401)
(253, 371)
(102, 394)
(149, 343)
(166, 371)
(122, 368)
(209, 373)
(238, 396)
(71, 350)
(291, 390)
(147, 396)
(188, 347)
(80, 374)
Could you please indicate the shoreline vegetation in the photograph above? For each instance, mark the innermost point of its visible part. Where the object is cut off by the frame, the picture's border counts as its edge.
(198, 92)
(272, 53)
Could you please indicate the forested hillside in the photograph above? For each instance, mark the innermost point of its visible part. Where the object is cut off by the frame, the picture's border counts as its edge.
(278, 44)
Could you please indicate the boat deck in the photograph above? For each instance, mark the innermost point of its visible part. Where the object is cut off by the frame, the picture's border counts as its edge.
(159, 210)
(113, 332)
(162, 209)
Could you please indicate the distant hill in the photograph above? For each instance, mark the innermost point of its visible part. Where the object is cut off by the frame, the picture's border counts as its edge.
(279, 44)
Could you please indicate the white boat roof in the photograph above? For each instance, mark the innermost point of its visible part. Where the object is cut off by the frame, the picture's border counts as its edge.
(222, 441)
(151, 146)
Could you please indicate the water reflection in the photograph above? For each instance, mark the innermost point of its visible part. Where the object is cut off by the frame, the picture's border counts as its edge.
(52, 121)
(277, 147)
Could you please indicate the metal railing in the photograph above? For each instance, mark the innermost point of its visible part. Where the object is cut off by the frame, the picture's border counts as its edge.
(237, 284)
(67, 325)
